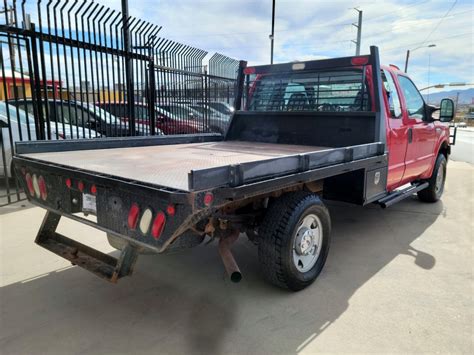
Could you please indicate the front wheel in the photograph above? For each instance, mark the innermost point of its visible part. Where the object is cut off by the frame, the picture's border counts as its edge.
(294, 240)
(436, 182)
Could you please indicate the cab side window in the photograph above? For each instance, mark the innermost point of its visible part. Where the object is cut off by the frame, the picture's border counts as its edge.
(392, 95)
(414, 100)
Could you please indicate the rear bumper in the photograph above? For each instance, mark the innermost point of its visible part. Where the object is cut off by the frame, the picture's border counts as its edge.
(113, 200)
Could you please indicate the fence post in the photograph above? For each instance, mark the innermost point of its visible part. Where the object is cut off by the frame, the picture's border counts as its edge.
(239, 85)
(36, 91)
(206, 95)
(128, 69)
(152, 94)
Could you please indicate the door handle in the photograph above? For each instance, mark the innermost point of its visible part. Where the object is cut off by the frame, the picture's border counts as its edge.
(410, 135)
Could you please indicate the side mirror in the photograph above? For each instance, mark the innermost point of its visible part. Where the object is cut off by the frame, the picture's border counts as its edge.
(446, 110)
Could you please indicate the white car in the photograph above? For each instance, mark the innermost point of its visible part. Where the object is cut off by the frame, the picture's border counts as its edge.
(22, 128)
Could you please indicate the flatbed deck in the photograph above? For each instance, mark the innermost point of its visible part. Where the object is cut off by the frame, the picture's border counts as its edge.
(169, 165)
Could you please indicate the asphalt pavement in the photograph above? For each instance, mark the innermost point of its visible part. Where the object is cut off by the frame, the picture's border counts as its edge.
(398, 280)
(463, 150)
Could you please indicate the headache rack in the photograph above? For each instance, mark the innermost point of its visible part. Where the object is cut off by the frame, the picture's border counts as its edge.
(340, 85)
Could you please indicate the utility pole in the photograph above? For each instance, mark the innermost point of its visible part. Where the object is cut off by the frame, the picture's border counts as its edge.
(456, 104)
(272, 36)
(359, 31)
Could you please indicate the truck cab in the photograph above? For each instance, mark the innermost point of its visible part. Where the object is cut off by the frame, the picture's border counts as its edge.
(414, 137)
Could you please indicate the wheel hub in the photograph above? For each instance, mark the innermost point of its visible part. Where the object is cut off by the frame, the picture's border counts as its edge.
(305, 241)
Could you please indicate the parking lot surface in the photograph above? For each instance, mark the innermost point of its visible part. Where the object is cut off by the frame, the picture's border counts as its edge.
(398, 280)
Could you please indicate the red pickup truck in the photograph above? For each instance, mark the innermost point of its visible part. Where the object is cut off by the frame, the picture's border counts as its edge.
(342, 129)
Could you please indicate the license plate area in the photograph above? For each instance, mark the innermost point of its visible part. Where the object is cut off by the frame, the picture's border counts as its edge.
(89, 203)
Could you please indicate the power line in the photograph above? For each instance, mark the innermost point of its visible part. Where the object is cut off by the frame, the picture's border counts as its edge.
(336, 24)
(434, 40)
(441, 20)
(392, 12)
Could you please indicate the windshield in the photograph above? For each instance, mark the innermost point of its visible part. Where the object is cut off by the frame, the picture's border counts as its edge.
(180, 111)
(221, 107)
(342, 90)
(15, 114)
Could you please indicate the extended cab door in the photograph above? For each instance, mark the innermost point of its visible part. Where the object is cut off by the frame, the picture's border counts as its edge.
(421, 134)
(397, 134)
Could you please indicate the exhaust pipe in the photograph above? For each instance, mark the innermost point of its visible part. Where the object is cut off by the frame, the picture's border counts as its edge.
(230, 264)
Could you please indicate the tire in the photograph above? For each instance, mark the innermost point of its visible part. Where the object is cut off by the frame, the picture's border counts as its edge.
(436, 182)
(279, 234)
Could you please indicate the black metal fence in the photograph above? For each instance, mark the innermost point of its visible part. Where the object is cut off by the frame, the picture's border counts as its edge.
(78, 69)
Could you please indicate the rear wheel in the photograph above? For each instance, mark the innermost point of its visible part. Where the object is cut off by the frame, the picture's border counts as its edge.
(294, 240)
(436, 182)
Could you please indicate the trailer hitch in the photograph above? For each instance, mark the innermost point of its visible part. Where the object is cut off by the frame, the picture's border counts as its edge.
(100, 264)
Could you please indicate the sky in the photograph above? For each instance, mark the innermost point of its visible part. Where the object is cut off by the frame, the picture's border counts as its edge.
(312, 29)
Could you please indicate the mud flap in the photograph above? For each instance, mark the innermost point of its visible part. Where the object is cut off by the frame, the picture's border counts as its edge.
(100, 264)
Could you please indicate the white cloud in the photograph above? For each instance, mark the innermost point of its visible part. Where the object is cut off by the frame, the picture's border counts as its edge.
(308, 29)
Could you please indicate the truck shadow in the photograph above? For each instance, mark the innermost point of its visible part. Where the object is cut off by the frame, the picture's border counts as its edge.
(181, 303)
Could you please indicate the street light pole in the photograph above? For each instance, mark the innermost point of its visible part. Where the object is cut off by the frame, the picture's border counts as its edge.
(408, 54)
(406, 60)
(272, 36)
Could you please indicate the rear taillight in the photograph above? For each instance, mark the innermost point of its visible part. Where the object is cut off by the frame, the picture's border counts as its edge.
(208, 198)
(363, 60)
(249, 70)
(145, 221)
(80, 186)
(171, 210)
(158, 225)
(133, 216)
(29, 183)
(36, 187)
(42, 188)
(93, 189)
(68, 183)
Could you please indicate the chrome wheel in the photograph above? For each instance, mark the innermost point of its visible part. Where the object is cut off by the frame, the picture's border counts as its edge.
(439, 179)
(308, 243)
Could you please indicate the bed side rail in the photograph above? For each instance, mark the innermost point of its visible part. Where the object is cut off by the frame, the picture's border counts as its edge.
(240, 174)
(109, 143)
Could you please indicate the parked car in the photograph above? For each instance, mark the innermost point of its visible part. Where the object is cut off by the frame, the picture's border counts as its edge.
(22, 128)
(86, 116)
(217, 121)
(166, 122)
(181, 110)
(222, 107)
(194, 112)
